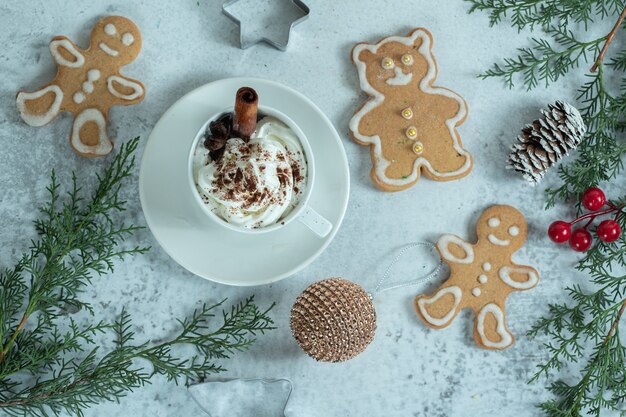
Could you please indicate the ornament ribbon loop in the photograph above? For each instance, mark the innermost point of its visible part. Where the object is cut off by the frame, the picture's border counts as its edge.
(416, 281)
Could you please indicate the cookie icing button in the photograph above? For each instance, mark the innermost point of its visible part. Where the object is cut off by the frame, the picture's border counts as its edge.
(93, 75)
(531, 277)
(423, 302)
(443, 244)
(486, 266)
(418, 148)
(88, 87)
(482, 279)
(137, 88)
(500, 242)
(38, 120)
(128, 39)
(505, 337)
(476, 292)
(411, 132)
(68, 47)
(107, 49)
(79, 97)
(407, 113)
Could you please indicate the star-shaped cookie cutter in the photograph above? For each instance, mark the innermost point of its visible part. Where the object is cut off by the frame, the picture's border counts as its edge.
(276, 43)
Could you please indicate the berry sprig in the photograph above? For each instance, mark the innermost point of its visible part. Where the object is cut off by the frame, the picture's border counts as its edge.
(580, 239)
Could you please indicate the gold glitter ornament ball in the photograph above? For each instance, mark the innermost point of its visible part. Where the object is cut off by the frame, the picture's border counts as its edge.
(333, 320)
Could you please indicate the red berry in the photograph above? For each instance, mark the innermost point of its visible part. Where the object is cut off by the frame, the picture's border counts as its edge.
(559, 231)
(593, 199)
(609, 231)
(580, 240)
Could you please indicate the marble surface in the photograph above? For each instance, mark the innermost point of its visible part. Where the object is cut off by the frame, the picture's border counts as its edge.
(408, 370)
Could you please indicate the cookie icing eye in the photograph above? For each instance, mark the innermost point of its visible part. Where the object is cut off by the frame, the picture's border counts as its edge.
(128, 39)
(494, 222)
(407, 59)
(110, 29)
(388, 63)
(514, 230)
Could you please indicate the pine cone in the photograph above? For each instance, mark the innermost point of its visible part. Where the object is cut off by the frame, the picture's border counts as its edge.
(548, 139)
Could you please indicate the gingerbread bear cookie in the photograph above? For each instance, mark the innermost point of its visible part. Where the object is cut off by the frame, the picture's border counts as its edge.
(87, 84)
(482, 275)
(409, 124)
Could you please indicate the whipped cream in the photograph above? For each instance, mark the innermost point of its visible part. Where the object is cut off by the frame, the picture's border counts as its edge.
(254, 184)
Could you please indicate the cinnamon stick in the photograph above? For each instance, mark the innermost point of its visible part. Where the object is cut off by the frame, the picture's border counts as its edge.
(246, 111)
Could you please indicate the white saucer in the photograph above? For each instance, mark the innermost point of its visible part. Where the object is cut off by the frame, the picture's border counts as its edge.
(195, 241)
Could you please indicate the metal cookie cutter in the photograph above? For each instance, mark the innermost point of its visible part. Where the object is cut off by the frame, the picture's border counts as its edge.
(268, 32)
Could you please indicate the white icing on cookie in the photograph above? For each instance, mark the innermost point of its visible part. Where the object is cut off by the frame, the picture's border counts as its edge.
(422, 303)
(476, 292)
(505, 275)
(407, 113)
(411, 132)
(407, 59)
(494, 222)
(104, 145)
(443, 243)
(387, 63)
(483, 279)
(514, 230)
(107, 49)
(500, 242)
(137, 88)
(88, 87)
(37, 120)
(486, 266)
(110, 29)
(401, 78)
(505, 337)
(381, 163)
(128, 39)
(79, 97)
(93, 75)
(68, 47)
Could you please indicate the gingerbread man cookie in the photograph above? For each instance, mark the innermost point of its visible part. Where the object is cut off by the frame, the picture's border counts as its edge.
(482, 275)
(409, 124)
(88, 83)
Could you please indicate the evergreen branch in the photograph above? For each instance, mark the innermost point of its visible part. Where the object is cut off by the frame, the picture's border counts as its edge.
(52, 366)
(78, 385)
(543, 13)
(543, 61)
(584, 329)
(609, 39)
(76, 240)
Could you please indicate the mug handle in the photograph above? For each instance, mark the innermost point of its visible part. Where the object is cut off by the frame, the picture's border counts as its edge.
(314, 221)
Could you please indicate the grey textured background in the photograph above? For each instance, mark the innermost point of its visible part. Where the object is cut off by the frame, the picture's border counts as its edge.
(408, 370)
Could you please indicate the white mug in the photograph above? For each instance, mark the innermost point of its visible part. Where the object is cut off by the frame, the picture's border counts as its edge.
(303, 212)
